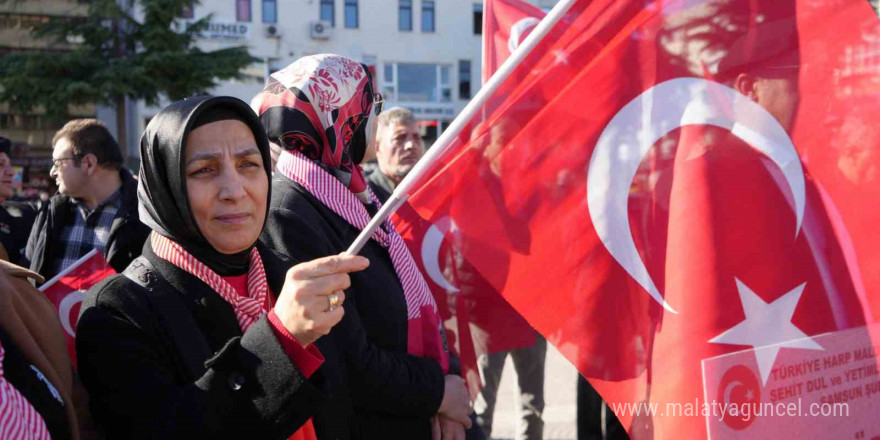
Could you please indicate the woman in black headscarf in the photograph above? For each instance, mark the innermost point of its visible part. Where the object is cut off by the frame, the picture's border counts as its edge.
(321, 110)
(207, 334)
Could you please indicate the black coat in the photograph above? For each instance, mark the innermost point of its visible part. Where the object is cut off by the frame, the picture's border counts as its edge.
(16, 221)
(127, 233)
(393, 393)
(190, 374)
(381, 185)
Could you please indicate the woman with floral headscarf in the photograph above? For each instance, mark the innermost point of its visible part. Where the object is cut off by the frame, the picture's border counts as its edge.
(321, 110)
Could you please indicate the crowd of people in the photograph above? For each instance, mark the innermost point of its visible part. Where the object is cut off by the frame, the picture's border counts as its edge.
(234, 312)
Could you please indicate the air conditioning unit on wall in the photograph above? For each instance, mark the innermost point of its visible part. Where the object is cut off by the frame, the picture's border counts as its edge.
(320, 30)
(271, 31)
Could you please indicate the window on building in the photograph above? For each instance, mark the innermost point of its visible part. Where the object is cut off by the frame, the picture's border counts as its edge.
(9, 121)
(418, 82)
(32, 21)
(404, 15)
(270, 11)
(187, 12)
(478, 19)
(22, 21)
(388, 82)
(243, 10)
(444, 85)
(464, 79)
(273, 65)
(327, 11)
(427, 16)
(431, 132)
(351, 14)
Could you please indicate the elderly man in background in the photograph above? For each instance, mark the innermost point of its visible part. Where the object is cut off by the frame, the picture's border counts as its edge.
(398, 147)
(95, 207)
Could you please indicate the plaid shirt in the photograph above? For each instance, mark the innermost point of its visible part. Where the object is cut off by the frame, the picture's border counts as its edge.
(89, 230)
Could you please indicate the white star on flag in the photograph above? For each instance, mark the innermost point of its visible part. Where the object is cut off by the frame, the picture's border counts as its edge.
(767, 327)
(560, 56)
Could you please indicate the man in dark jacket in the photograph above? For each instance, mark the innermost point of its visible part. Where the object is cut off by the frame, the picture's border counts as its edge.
(96, 204)
(16, 218)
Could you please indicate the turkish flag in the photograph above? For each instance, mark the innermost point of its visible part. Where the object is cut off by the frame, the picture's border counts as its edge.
(66, 291)
(506, 23)
(678, 195)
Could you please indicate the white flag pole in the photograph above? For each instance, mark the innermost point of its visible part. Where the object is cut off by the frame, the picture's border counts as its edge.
(443, 143)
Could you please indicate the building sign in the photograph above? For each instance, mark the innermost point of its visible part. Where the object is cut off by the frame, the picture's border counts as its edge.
(427, 111)
(226, 31)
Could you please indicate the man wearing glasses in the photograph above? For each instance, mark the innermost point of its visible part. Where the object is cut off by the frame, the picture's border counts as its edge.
(95, 207)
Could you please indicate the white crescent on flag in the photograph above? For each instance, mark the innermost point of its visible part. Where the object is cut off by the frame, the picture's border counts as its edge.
(519, 31)
(66, 307)
(431, 250)
(729, 388)
(642, 122)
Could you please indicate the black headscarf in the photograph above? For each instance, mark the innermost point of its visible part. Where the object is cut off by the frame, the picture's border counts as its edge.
(163, 204)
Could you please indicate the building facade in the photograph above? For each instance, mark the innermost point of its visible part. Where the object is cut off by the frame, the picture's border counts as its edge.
(425, 53)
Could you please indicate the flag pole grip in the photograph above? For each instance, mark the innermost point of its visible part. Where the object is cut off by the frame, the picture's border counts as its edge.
(387, 209)
(440, 147)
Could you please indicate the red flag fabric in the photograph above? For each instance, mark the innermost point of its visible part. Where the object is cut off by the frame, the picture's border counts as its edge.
(66, 291)
(506, 23)
(477, 318)
(678, 195)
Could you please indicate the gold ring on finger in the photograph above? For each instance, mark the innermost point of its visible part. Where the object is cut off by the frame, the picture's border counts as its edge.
(334, 301)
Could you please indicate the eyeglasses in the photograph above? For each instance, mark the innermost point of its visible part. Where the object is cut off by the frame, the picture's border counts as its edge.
(56, 163)
(378, 102)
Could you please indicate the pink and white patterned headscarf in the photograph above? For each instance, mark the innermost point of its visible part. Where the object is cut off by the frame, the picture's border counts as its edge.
(320, 106)
(318, 109)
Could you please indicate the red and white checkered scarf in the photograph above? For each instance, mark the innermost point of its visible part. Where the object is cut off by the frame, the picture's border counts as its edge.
(425, 336)
(18, 418)
(247, 309)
